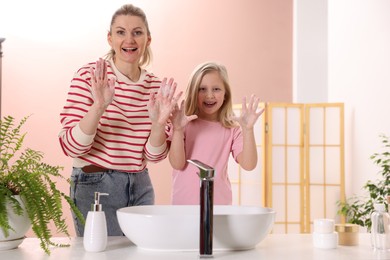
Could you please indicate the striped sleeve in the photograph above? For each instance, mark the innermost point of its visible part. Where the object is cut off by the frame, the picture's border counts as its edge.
(73, 141)
(155, 154)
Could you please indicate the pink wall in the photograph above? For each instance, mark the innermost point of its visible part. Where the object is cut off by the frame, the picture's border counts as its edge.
(253, 38)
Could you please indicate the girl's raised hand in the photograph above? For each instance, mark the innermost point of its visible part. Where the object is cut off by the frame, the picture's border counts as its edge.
(179, 118)
(249, 116)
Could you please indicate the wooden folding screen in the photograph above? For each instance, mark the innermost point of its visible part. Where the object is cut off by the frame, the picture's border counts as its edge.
(300, 172)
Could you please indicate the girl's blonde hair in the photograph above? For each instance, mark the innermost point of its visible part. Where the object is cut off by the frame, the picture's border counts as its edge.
(226, 115)
(132, 10)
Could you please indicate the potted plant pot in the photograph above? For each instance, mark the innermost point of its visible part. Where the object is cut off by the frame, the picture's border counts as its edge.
(20, 225)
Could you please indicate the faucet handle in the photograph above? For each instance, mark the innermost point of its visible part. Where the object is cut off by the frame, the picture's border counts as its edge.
(205, 170)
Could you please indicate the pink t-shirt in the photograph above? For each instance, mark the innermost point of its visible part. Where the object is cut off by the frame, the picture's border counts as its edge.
(210, 143)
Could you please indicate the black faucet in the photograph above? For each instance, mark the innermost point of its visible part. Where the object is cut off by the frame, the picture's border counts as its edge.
(206, 176)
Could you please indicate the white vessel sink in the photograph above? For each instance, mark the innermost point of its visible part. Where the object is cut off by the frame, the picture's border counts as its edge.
(176, 228)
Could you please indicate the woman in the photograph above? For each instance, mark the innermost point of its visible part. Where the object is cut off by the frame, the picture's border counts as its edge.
(113, 122)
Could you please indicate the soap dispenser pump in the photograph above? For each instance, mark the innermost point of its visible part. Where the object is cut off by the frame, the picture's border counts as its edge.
(95, 232)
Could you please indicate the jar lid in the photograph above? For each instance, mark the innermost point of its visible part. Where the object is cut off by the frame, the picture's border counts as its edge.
(347, 228)
(324, 225)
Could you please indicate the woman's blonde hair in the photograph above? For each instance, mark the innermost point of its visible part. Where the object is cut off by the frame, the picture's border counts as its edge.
(132, 10)
(226, 115)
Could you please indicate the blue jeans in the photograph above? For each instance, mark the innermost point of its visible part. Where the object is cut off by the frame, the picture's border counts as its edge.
(124, 189)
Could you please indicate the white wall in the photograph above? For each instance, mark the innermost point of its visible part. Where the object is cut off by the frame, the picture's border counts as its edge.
(352, 38)
(359, 75)
(310, 51)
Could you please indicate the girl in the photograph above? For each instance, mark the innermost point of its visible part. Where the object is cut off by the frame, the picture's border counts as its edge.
(113, 123)
(205, 129)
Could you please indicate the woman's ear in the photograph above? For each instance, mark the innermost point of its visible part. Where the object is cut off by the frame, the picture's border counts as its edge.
(109, 40)
(149, 40)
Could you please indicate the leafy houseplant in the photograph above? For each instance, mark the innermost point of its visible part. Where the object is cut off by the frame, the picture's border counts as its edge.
(24, 173)
(357, 210)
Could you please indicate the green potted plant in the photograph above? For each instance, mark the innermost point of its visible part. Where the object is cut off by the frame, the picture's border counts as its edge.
(358, 209)
(24, 175)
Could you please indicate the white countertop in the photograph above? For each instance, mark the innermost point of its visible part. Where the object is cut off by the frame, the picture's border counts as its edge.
(274, 246)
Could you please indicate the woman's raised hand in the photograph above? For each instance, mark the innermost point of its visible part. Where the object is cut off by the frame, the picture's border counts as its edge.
(103, 88)
(162, 104)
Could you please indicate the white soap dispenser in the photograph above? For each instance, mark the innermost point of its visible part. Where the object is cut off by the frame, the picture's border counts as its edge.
(95, 232)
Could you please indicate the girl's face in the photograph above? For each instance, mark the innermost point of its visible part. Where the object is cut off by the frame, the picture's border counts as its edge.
(128, 38)
(211, 95)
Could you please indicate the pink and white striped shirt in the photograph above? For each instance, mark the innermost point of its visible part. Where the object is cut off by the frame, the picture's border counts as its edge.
(121, 139)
